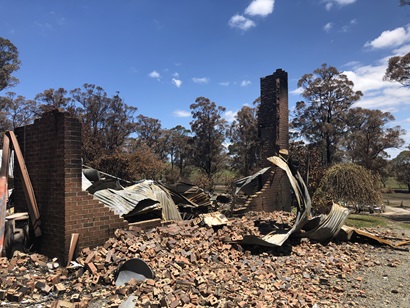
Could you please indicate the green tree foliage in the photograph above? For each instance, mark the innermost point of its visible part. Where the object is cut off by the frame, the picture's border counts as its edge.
(106, 121)
(244, 140)
(398, 69)
(322, 119)
(347, 184)
(209, 129)
(401, 167)
(9, 63)
(179, 147)
(368, 138)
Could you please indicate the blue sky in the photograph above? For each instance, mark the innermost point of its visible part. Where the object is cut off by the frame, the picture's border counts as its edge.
(162, 54)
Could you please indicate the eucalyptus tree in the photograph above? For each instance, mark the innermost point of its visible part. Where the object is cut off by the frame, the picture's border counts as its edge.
(368, 137)
(209, 132)
(107, 121)
(243, 135)
(398, 70)
(9, 63)
(322, 119)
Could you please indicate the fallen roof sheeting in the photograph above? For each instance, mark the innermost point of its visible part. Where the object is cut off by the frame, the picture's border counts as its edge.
(251, 184)
(318, 228)
(138, 199)
(348, 233)
(188, 195)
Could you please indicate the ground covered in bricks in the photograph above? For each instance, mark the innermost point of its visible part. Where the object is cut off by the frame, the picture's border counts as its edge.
(195, 265)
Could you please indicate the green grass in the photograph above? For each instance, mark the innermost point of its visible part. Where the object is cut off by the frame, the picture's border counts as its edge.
(366, 221)
(391, 183)
(372, 221)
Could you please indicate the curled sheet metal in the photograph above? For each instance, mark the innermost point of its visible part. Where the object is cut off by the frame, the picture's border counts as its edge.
(250, 184)
(317, 228)
(348, 232)
(138, 199)
(330, 226)
(133, 269)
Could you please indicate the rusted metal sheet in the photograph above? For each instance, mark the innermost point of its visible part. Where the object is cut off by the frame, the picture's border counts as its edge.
(27, 186)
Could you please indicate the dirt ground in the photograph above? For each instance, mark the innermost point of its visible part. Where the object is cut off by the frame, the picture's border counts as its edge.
(386, 281)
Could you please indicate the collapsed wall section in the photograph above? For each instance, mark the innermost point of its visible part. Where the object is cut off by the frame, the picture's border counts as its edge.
(52, 151)
(273, 131)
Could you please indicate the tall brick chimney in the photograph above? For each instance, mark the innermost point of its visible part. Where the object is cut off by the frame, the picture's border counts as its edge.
(273, 130)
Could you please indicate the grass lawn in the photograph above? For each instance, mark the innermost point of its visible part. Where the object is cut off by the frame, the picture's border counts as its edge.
(372, 221)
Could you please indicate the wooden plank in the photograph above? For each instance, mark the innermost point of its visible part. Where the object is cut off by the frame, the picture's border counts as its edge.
(27, 186)
(73, 245)
(5, 161)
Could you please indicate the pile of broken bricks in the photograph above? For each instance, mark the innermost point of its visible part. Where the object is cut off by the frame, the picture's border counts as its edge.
(194, 265)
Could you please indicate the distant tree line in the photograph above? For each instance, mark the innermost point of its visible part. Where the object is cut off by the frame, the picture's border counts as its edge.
(326, 129)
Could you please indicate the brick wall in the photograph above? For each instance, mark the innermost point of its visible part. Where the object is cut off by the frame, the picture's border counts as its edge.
(273, 130)
(52, 152)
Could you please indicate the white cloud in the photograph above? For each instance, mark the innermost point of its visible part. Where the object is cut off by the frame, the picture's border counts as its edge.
(230, 115)
(177, 82)
(241, 22)
(224, 83)
(202, 80)
(367, 78)
(347, 27)
(245, 83)
(353, 64)
(297, 91)
(402, 50)
(44, 27)
(391, 38)
(330, 3)
(328, 26)
(181, 113)
(155, 74)
(260, 7)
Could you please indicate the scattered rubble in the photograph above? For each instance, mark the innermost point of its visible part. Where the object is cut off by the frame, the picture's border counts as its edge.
(257, 259)
(193, 265)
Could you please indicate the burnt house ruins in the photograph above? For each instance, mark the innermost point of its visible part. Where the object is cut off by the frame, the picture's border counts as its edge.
(52, 150)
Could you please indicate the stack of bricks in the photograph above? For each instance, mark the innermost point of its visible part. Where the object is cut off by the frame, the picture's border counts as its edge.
(52, 152)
